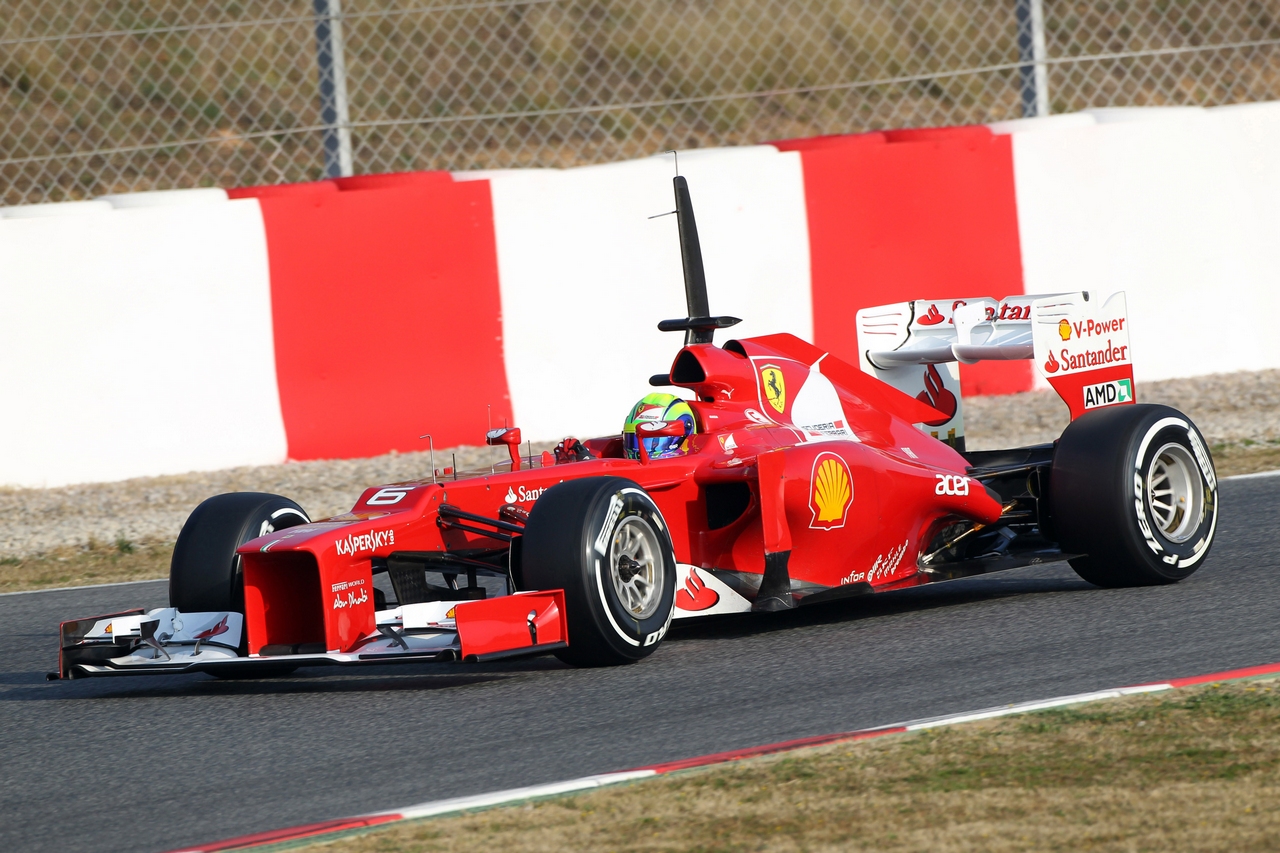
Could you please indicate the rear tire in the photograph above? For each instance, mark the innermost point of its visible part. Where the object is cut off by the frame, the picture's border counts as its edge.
(604, 542)
(1133, 489)
(204, 574)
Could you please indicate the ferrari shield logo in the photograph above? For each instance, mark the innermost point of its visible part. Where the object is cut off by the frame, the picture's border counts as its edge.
(830, 492)
(775, 387)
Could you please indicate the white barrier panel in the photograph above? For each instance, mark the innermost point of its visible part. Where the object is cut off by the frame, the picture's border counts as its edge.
(136, 342)
(1181, 212)
(586, 275)
(64, 208)
(167, 198)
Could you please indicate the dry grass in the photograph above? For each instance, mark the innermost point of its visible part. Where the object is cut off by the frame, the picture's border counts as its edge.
(491, 85)
(95, 564)
(1193, 770)
(1232, 459)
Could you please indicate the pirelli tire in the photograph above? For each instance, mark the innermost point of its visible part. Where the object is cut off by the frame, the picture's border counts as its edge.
(604, 542)
(204, 573)
(1133, 489)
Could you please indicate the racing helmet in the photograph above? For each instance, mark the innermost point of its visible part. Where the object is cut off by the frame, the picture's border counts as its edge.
(658, 407)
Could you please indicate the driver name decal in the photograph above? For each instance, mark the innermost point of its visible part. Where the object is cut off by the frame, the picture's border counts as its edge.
(830, 492)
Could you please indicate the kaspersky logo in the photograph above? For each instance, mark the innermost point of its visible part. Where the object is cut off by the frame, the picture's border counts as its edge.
(1108, 393)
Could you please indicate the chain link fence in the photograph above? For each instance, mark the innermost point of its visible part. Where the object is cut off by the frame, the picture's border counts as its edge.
(106, 96)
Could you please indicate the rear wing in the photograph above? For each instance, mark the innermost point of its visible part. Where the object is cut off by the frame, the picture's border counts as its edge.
(1079, 343)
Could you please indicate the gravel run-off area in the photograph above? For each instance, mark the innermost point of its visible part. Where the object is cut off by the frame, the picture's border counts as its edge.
(1233, 409)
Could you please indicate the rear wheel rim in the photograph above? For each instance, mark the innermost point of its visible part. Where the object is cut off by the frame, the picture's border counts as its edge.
(635, 567)
(1175, 492)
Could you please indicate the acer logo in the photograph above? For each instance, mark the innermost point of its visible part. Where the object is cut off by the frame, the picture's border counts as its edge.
(951, 484)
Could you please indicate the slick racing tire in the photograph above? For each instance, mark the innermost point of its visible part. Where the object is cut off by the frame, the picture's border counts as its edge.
(205, 572)
(604, 542)
(1134, 490)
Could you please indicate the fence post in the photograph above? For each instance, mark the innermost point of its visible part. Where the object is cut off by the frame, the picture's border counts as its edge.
(1033, 74)
(334, 114)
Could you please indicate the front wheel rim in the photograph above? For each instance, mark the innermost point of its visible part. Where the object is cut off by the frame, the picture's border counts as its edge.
(1175, 493)
(635, 567)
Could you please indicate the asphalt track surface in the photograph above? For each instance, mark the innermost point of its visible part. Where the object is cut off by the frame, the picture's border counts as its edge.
(150, 764)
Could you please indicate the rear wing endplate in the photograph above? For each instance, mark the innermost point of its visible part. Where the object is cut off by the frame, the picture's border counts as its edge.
(1079, 343)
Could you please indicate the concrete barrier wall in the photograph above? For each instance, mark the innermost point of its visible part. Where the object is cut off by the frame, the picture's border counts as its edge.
(586, 275)
(165, 332)
(1181, 210)
(386, 313)
(135, 342)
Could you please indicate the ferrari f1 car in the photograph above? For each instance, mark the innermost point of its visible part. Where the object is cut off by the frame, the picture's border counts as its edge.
(790, 478)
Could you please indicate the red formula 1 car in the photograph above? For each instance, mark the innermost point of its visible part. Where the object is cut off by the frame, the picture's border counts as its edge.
(790, 477)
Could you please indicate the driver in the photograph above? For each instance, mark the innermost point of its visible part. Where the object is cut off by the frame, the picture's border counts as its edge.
(658, 407)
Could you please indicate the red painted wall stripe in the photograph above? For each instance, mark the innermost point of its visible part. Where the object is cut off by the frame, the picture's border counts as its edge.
(911, 214)
(386, 313)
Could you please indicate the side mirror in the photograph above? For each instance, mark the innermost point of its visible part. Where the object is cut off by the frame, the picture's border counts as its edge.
(510, 436)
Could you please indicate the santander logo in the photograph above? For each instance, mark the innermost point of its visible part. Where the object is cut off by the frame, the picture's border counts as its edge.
(1051, 366)
(936, 394)
(695, 595)
(521, 495)
(932, 317)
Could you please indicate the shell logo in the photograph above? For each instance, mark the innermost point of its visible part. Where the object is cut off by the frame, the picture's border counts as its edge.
(830, 491)
(1064, 329)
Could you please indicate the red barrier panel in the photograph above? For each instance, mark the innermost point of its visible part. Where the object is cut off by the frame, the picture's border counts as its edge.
(914, 214)
(386, 312)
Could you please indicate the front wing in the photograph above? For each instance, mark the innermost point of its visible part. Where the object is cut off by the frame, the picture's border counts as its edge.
(167, 641)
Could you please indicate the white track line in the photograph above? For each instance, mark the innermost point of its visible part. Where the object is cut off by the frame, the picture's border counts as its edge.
(87, 586)
(1255, 476)
(440, 808)
(533, 792)
(515, 795)
(1028, 707)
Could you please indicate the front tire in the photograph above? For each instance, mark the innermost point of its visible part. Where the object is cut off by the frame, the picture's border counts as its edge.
(604, 542)
(1133, 488)
(204, 574)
